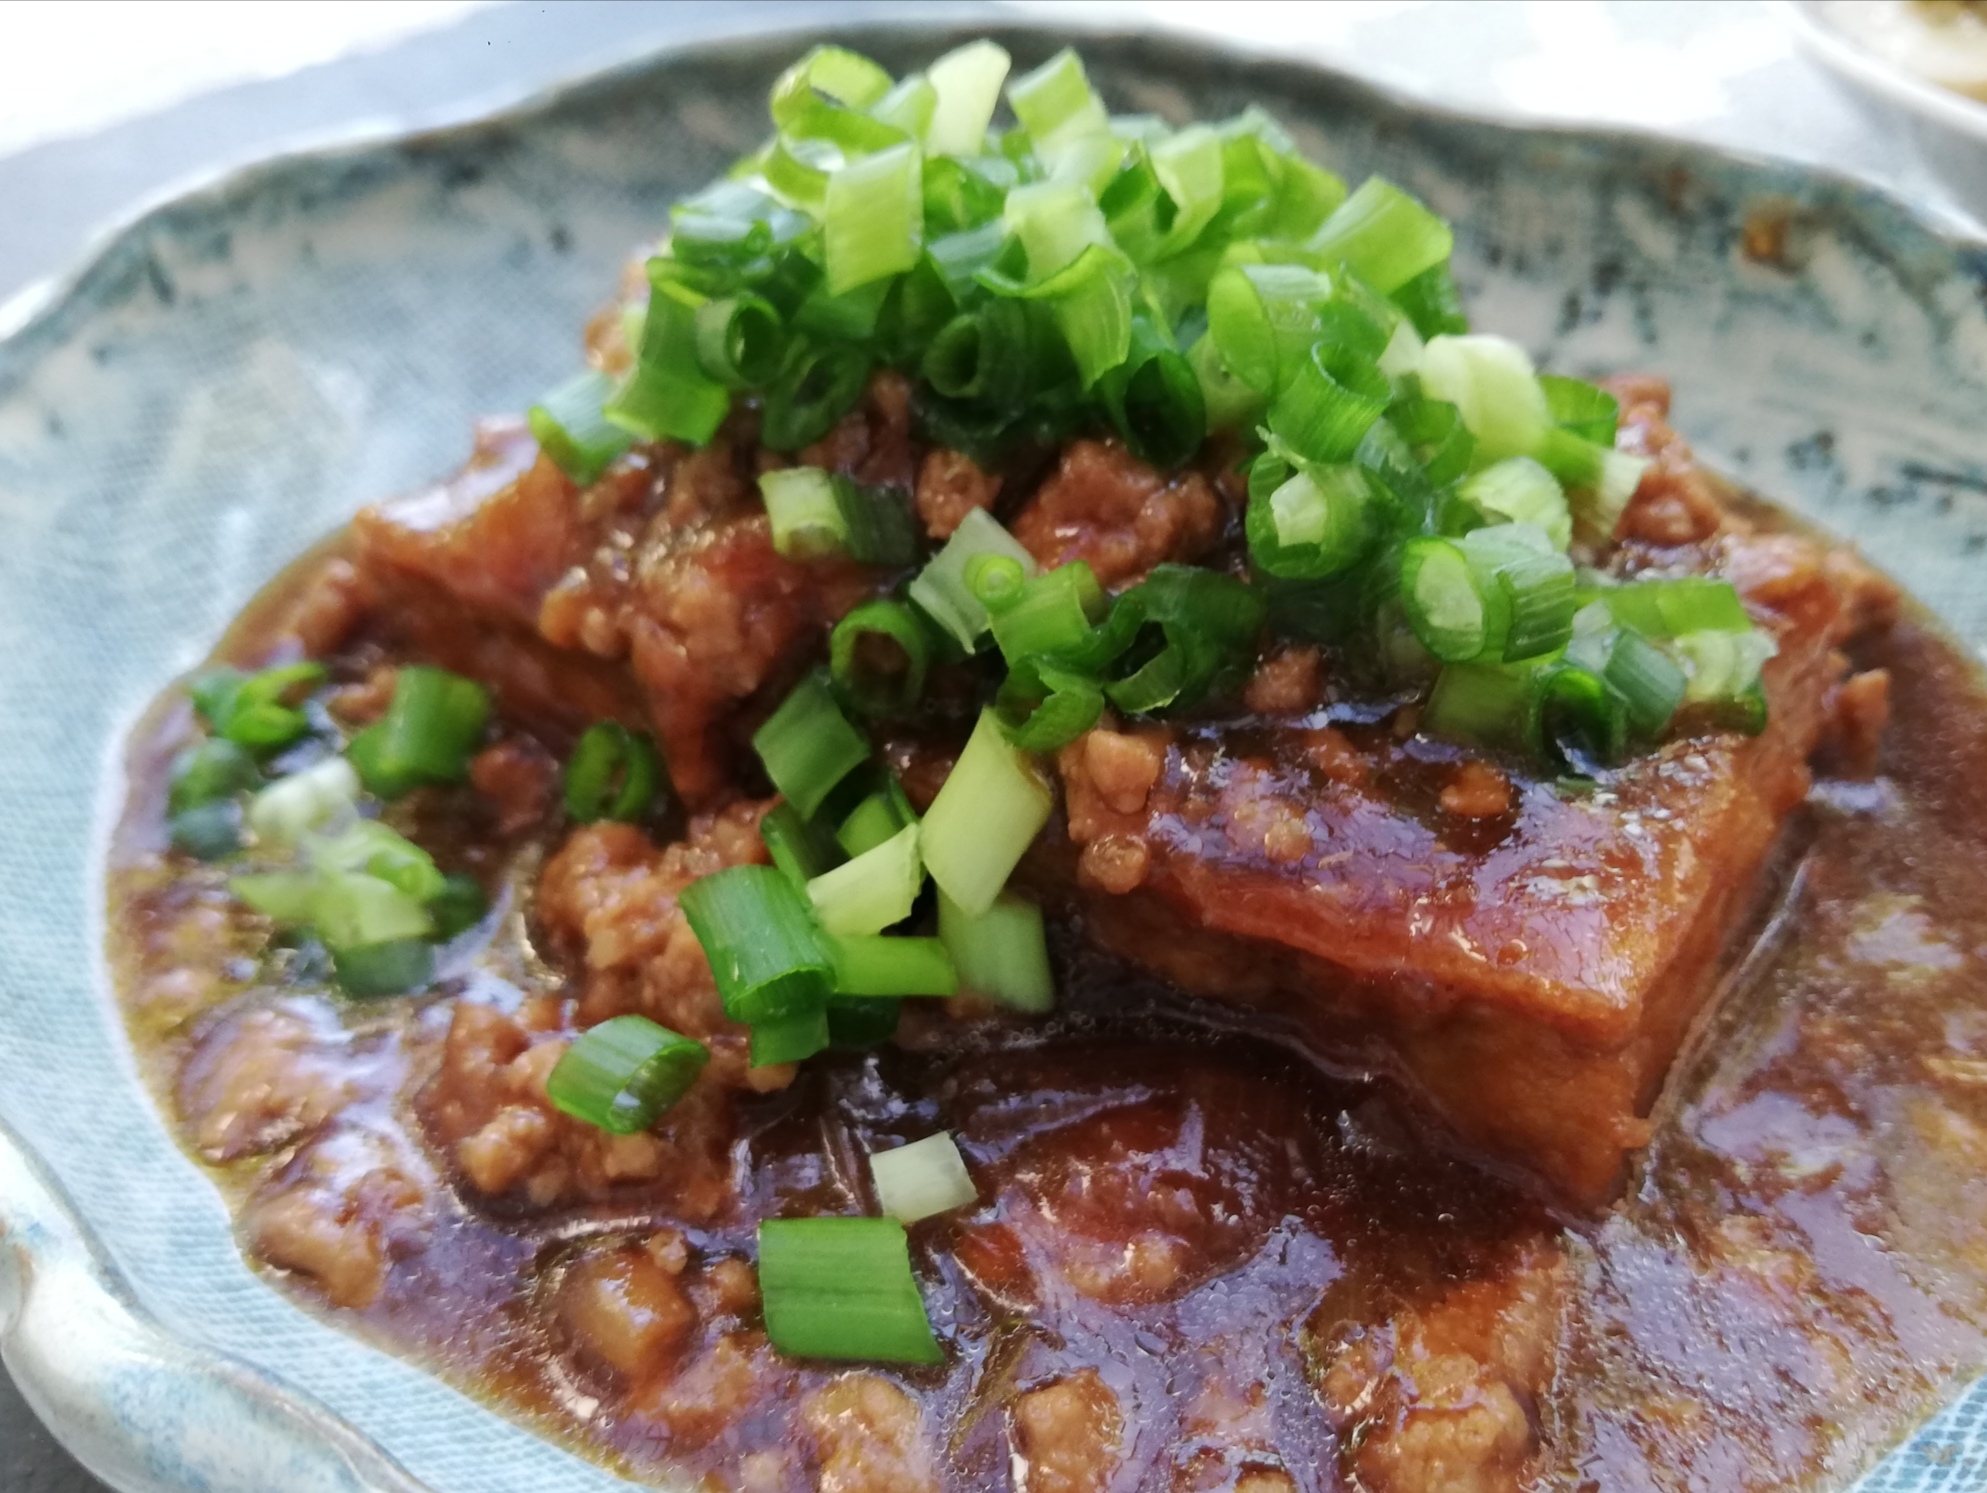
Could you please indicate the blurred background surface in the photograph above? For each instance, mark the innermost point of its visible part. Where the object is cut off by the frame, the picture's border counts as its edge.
(107, 107)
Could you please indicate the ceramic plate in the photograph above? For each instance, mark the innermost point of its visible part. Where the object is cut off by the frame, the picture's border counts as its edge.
(238, 371)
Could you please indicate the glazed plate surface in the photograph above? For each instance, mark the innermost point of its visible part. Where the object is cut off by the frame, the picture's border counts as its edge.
(242, 369)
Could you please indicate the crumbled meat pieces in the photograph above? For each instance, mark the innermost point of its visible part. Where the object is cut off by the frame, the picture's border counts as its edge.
(517, 774)
(627, 1311)
(610, 896)
(328, 608)
(1123, 767)
(950, 486)
(1105, 506)
(487, 1108)
(1476, 790)
(1070, 1435)
(1437, 1395)
(1674, 503)
(872, 443)
(265, 1076)
(1287, 682)
(868, 1437)
(715, 1390)
(339, 1213)
(1862, 710)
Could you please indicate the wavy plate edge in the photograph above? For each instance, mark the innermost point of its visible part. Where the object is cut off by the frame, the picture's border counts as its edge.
(123, 1394)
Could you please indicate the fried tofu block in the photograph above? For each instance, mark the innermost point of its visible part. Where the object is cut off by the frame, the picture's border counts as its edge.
(1526, 959)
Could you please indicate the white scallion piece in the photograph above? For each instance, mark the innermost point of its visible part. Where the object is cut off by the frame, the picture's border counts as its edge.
(926, 1177)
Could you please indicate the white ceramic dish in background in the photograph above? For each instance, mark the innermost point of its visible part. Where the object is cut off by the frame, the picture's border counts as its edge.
(1944, 131)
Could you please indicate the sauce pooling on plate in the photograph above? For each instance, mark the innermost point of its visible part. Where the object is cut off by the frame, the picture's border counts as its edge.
(1273, 901)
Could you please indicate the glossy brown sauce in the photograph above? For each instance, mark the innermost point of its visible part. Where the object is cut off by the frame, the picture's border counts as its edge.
(1197, 1262)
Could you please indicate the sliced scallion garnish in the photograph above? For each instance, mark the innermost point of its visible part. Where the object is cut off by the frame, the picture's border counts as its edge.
(808, 745)
(985, 817)
(426, 735)
(842, 1288)
(614, 773)
(621, 1075)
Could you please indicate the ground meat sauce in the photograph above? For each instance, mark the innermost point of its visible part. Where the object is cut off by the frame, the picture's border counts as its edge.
(1198, 1259)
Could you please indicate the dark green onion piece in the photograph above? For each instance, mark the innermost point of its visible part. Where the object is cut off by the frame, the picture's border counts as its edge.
(1435, 433)
(459, 906)
(1051, 614)
(614, 773)
(1432, 303)
(1649, 681)
(1489, 705)
(669, 396)
(881, 816)
(942, 587)
(621, 1075)
(1672, 608)
(1585, 409)
(821, 385)
(878, 657)
(427, 734)
(392, 967)
(1308, 523)
(1003, 954)
(808, 745)
(1578, 717)
(790, 1039)
(250, 709)
(985, 817)
(1328, 405)
(801, 849)
(842, 1288)
(215, 769)
(207, 832)
(759, 935)
(570, 428)
(740, 341)
(857, 1023)
(879, 964)
(1044, 708)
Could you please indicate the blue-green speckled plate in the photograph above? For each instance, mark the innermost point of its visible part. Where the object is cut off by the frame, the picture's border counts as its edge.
(240, 370)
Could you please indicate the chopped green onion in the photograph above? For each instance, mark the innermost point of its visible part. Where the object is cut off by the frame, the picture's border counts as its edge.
(391, 967)
(808, 745)
(1050, 614)
(985, 816)
(1585, 409)
(873, 890)
(741, 341)
(1154, 399)
(1650, 682)
(878, 656)
(805, 512)
(1432, 304)
(289, 897)
(1056, 105)
(879, 817)
(310, 799)
(1043, 708)
(968, 81)
(875, 964)
(248, 709)
(427, 734)
(1002, 954)
(842, 1288)
(1308, 523)
(614, 773)
(924, 1178)
(800, 849)
(1264, 319)
(819, 387)
(1501, 593)
(790, 1039)
(353, 910)
(1490, 380)
(942, 589)
(1486, 705)
(765, 951)
(380, 852)
(910, 107)
(1722, 664)
(1518, 490)
(1671, 608)
(847, 77)
(1383, 236)
(621, 1075)
(215, 769)
(570, 428)
(669, 396)
(873, 225)
(459, 906)
(207, 832)
(1579, 717)
(1437, 436)
(859, 1022)
(1329, 405)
